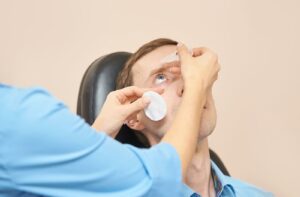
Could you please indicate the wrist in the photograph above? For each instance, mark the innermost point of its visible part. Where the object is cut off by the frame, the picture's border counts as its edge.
(198, 86)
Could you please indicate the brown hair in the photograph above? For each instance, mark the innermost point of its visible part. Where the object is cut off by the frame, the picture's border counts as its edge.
(125, 77)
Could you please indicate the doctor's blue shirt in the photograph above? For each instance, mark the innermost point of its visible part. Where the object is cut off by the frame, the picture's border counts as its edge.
(45, 150)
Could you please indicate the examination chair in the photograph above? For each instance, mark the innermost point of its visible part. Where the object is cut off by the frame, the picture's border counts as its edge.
(97, 82)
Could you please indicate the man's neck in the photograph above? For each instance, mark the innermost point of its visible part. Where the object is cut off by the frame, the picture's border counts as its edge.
(199, 172)
(198, 175)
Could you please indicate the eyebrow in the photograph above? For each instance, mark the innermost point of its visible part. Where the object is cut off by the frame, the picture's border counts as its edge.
(162, 68)
(157, 70)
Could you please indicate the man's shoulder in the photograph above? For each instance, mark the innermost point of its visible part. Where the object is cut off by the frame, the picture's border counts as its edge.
(242, 188)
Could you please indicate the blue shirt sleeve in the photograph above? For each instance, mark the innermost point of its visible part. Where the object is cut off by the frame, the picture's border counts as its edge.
(46, 150)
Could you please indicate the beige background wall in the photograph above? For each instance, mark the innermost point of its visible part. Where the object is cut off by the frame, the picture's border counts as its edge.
(51, 43)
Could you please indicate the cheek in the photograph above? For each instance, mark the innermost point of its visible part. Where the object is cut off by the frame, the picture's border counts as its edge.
(209, 119)
(209, 115)
(173, 101)
(210, 112)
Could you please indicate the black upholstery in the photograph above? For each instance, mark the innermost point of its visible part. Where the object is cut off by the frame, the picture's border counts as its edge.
(97, 82)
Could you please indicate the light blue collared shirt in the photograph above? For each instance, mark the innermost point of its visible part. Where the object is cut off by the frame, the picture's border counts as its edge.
(229, 187)
(45, 150)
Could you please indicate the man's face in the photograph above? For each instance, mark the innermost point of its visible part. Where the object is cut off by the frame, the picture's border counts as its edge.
(146, 74)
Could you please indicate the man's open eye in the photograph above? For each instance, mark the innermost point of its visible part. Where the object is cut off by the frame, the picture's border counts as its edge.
(160, 78)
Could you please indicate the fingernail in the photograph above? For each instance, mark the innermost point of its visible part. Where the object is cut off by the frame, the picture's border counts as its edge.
(160, 90)
(146, 100)
(191, 51)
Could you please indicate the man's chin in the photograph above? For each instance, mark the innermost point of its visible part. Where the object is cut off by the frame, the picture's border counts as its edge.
(204, 133)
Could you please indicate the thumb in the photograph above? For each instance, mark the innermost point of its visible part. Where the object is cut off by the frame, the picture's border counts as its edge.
(136, 106)
(183, 52)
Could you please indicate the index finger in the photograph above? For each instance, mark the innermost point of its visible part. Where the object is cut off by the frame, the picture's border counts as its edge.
(132, 92)
(183, 52)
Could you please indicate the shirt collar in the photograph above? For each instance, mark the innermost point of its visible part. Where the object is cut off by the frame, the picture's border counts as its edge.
(221, 182)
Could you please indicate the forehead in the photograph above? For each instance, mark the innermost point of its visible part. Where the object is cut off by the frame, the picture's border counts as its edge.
(151, 61)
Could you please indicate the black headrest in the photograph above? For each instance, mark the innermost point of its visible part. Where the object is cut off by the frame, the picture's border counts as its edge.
(97, 82)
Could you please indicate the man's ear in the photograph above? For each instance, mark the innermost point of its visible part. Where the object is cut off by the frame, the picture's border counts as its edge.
(134, 123)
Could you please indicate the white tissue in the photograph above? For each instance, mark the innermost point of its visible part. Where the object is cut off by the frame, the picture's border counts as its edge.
(157, 109)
